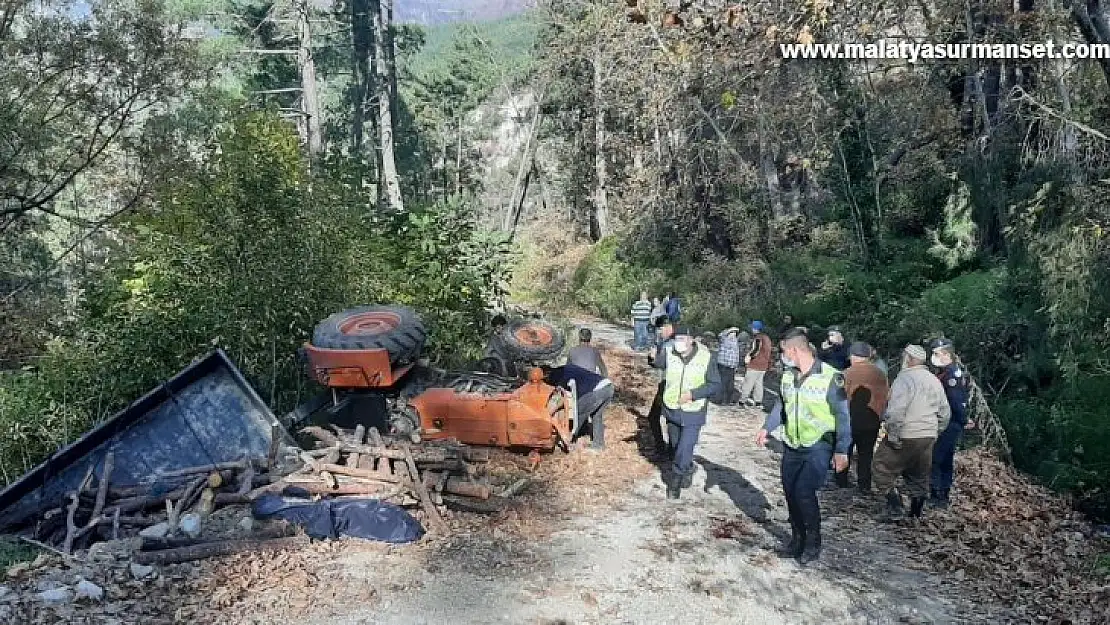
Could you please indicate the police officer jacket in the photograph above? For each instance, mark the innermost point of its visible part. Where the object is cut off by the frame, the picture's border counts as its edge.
(957, 389)
(711, 386)
(840, 435)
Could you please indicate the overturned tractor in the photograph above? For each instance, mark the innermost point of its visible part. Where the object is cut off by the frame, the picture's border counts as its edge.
(368, 358)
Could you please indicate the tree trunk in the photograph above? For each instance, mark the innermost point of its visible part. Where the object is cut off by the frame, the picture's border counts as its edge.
(310, 102)
(389, 182)
(458, 157)
(520, 188)
(362, 79)
(1092, 25)
(601, 197)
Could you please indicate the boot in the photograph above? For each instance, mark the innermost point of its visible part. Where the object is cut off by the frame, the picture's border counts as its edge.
(793, 549)
(687, 479)
(812, 549)
(917, 506)
(842, 479)
(674, 486)
(894, 509)
(938, 499)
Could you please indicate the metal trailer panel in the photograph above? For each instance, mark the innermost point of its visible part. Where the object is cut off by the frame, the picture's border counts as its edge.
(205, 414)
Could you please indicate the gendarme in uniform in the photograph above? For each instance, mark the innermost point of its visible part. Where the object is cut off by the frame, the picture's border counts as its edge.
(813, 413)
(694, 371)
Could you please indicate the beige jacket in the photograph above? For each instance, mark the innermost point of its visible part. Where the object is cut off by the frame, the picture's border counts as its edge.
(917, 407)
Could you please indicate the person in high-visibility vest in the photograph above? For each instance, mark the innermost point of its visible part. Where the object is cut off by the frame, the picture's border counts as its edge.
(690, 378)
(816, 429)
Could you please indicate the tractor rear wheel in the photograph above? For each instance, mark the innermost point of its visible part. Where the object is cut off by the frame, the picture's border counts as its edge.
(396, 329)
(532, 340)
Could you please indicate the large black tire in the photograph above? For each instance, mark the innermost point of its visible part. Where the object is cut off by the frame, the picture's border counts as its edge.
(396, 329)
(532, 340)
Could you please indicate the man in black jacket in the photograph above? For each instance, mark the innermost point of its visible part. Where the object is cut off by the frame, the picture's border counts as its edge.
(593, 392)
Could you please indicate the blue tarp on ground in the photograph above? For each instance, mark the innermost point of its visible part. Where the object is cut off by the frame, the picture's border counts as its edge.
(361, 518)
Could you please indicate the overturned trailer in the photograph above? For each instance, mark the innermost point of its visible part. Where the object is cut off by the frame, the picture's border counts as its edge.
(206, 416)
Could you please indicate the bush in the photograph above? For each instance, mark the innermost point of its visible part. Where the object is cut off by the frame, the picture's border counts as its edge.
(247, 251)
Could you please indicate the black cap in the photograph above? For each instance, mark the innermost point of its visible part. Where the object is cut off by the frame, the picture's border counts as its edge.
(945, 344)
(860, 350)
(683, 331)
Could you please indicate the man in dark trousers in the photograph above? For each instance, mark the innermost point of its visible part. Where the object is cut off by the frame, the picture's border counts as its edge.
(867, 389)
(957, 388)
(593, 393)
(816, 429)
(664, 332)
(690, 378)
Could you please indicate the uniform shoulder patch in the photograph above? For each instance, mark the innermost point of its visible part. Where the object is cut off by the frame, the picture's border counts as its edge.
(838, 380)
(958, 373)
(952, 381)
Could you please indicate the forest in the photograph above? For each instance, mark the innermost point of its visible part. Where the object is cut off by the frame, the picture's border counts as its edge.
(181, 175)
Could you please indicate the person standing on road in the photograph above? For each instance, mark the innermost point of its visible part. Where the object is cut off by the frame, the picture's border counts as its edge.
(915, 413)
(816, 430)
(834, 351)
(785, 327)
(593, 393)
(867, 389)
(690, 378)
(673, 307)
(758, 361)
(657, 313)
(664, 331)
(586, 355)
(957, 388)
(728, 359)
(641, 316)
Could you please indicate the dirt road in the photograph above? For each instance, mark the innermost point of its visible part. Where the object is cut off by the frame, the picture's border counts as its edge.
(643, 559)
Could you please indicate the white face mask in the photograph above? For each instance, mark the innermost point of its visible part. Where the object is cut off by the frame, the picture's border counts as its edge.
(787, 362)
(682, 345)
(938, 361)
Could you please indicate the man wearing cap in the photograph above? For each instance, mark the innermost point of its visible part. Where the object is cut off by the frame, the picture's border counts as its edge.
(690, 377)
(915, 413)
(816, 430)
(758, 361)
(664, 339)
(867, 389)
(833, 350)
(957, 388)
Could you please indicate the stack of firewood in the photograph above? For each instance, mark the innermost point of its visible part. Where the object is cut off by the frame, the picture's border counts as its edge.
(363, 462)
(97, 510)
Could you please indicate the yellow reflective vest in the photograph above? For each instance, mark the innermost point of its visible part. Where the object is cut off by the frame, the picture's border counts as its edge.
(807, 416)
(685, 376)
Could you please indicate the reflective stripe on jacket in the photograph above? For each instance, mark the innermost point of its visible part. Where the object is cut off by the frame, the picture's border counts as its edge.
(806, 411)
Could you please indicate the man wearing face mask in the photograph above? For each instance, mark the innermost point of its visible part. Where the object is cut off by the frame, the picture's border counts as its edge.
(957, 389)
(664, 335)
(816, 430)
(690, 377)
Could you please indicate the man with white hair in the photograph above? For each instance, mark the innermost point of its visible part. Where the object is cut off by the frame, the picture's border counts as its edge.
(915, 413)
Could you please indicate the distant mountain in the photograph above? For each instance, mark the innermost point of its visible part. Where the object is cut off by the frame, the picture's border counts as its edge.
(433, 12)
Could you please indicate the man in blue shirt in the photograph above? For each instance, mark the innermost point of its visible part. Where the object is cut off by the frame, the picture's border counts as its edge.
(673, 308)
(593, 394)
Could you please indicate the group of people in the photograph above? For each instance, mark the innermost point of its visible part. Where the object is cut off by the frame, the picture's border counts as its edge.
(646, 313)
(833, 400)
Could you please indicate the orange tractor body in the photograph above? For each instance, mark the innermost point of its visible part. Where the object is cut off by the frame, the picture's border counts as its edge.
(472, 408)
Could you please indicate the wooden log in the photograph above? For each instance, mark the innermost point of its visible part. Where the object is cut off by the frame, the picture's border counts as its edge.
(316, 488)
(515, 488)
(71, 511)
(238, 465)
(174, 542)
(192, 492)
(457, 486)
(213, 549)
(374, 438)
(467, 504)
(360, 434)
(142, 502)
(332, 456)
(275, 446)
(102, 487)
(422, 492)
(246, 481)
(322, 435)
(231, 499)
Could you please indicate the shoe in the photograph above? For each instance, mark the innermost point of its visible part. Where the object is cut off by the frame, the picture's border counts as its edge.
(811, 552)
(674, 486)
(864, 491)
(792, 549)
(917, 507)
(842, 480)
(940, 503)
(894, 508)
